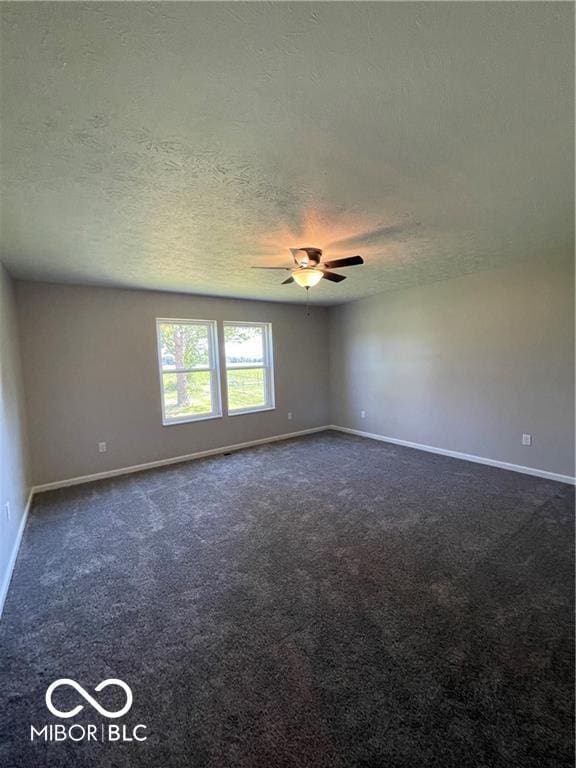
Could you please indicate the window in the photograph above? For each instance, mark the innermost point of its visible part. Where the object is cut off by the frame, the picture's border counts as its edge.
(188, 359)
(249, 372)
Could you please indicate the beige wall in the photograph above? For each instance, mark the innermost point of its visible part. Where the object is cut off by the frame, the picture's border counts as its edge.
(467, 364)
(13, 464)
(91, 374)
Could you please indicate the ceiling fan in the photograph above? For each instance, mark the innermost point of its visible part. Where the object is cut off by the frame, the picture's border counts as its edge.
(309, 268)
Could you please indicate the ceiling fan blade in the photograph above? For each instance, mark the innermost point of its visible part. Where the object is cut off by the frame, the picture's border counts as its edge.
(289, 280)
(348, 262)
(334, 277)
(288, 268)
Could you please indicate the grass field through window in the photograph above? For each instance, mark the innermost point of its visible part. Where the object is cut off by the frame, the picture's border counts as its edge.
(245, 390)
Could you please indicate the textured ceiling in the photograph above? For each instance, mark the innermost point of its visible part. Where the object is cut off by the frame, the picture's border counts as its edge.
(172, 145)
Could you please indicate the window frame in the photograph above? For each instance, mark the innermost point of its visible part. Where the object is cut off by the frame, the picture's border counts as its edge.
(267, 367)
(213, 368)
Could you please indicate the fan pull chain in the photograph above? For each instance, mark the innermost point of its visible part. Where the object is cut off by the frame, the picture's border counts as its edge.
(307, 301)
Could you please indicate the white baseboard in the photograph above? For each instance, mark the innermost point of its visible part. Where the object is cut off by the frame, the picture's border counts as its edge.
(125, 471)
(286, 436)
(174, 460)
(14, 554)
(238, 446)
(458, 455)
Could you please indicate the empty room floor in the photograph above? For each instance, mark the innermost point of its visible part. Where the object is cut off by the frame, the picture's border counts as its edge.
(325, 601)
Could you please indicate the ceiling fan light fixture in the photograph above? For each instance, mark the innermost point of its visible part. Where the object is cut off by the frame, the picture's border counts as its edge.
(307, 277)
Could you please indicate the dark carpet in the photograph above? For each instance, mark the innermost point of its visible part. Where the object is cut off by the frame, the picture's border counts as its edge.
(328, 601)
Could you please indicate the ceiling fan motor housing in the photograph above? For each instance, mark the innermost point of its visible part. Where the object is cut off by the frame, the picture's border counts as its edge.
(308, 271)
(314, 255)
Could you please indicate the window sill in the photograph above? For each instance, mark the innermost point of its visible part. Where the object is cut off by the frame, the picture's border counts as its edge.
(246, 411)
(190, 420)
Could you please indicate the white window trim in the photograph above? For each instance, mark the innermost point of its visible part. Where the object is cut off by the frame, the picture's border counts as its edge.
(213, 368)
(267, 366)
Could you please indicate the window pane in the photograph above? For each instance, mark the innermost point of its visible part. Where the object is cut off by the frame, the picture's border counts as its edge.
(244, 344)
(184, 345)
(186, 394)
(246, 388)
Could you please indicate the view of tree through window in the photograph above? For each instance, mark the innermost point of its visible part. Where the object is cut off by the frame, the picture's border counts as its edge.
(188, 369)
(248, 366)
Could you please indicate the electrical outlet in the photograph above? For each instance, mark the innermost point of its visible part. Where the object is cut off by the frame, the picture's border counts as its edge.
(526, 439)
(7, 510)
(102, 447)
(289, 415)
(362, 414)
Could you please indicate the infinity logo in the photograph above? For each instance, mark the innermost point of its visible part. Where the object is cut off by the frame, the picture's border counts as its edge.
(73, 684)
